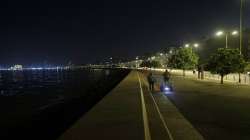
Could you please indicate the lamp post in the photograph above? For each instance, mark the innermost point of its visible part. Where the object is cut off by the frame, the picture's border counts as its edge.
(220, 33)
(241, 30)
(136, 61)
(241, 24)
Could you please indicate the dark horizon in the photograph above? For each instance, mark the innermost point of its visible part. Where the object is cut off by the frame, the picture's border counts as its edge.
(59, 32)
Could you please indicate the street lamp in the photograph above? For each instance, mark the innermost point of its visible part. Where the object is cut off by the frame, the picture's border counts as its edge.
(137, 62)
(187, 45)
(241, 23)
(221, 33)
(241, 26)
(196, 45)
(235, 33)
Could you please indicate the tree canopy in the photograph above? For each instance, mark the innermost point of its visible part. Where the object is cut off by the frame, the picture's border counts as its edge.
(183, 58)
(225, 61)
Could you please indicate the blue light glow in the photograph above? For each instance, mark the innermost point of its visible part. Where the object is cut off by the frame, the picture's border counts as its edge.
(167, 89)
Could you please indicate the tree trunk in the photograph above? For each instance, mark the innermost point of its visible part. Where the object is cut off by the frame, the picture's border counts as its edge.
(221, 79)
(202, 74)
(239, 78)
(184, 73)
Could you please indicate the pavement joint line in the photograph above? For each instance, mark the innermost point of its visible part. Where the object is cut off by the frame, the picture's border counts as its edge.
(144, 113)
(160, 114)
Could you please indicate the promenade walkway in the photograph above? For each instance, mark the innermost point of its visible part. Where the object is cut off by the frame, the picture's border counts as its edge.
(131, 112)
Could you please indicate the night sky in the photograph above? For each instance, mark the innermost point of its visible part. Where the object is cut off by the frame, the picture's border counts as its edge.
(83, 31)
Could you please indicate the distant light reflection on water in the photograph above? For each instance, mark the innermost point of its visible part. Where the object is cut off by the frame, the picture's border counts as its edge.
(19, 81)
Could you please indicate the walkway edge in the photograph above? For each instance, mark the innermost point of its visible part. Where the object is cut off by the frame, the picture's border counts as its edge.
(144, 113)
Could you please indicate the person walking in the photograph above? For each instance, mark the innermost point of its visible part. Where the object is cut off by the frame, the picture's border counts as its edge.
(151, 81)
(166, 76)
(167, 85)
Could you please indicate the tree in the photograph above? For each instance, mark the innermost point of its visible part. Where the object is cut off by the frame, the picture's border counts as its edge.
(155, 64)
(225, 61)
(183, 58)
(247, 68)
(145, 64)
(150, 64)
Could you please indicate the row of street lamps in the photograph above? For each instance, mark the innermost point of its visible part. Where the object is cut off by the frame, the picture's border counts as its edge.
(218, 34)
(233, 33)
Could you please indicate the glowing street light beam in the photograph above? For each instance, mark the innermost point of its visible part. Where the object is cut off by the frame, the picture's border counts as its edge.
(187, 45)
(235, 33)
(196, 45)
(219, 33)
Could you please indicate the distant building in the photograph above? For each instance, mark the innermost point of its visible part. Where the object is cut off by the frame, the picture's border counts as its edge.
(17, 67)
